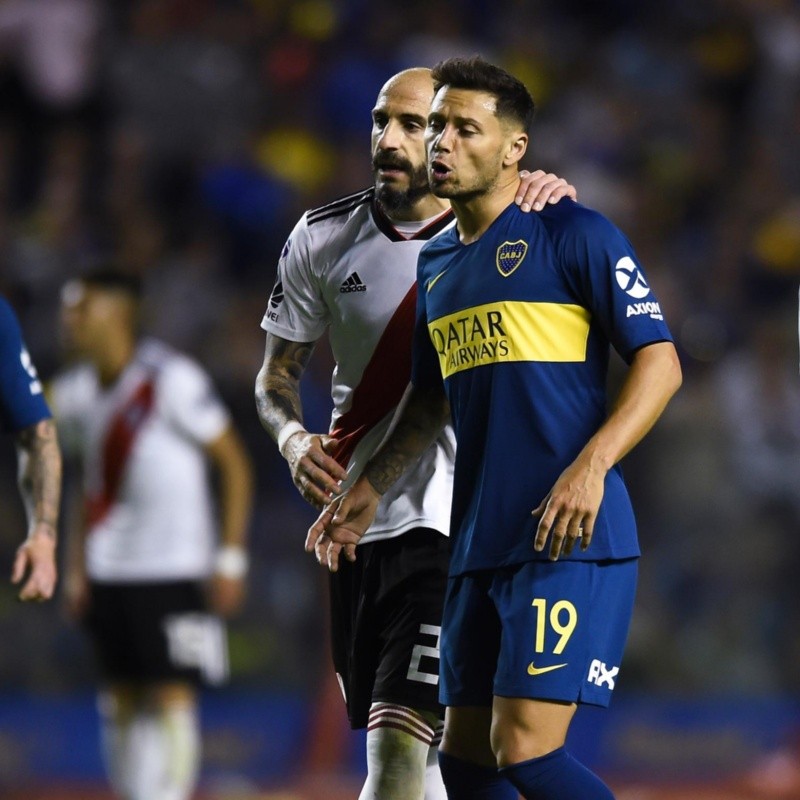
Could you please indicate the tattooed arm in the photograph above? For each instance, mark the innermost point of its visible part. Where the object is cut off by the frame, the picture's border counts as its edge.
(39, 459)
(314, 472)
(423, 416)
(343, 523)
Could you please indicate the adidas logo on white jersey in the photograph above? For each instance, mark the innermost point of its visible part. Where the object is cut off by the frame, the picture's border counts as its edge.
(353, 284)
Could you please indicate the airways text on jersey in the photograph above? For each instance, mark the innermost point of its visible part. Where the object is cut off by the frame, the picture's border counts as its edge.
(510, 331)
(353, 283)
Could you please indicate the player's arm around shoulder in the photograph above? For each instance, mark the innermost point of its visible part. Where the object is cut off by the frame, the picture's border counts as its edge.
(229, 457)
(315, 473)
(538, 188)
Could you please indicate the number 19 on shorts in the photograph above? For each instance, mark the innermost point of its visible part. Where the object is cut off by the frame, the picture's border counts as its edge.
(561, 617)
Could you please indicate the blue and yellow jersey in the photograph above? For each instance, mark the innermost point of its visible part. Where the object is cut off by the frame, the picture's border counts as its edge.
(518, 324)
(21, 400)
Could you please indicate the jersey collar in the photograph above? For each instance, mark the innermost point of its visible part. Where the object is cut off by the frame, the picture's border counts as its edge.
(387, 229)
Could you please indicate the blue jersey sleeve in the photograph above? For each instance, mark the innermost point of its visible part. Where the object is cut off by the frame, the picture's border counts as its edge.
(425, 369)
(21, 400)
(601, 266)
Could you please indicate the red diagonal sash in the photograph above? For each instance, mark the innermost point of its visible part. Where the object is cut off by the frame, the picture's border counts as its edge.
(117, 446)
(383, 383)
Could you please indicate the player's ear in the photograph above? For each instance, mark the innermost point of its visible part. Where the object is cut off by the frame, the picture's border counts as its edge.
(517, 145)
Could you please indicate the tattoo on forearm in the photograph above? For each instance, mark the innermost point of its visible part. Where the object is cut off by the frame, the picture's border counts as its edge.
(422, 420)
(40, 474)
(278, 384)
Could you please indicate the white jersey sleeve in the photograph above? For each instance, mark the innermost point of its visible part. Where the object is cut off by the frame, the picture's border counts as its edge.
(189, 401)
(70, 394)
(297, 310)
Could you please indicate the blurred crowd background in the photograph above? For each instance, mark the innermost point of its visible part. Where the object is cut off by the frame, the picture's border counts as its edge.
(181, 140)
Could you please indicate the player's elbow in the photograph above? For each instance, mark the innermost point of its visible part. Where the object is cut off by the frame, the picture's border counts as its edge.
(668, 372)
(672, 370)
(659, 367)
(231, 459)
(261, 384)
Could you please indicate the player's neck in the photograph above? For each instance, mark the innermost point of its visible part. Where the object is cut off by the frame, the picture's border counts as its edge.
(476, 214)
(111, 360)
(426, 207)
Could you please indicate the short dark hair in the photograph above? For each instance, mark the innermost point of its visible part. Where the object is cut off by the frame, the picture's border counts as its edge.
(113, 279)
(513, 99)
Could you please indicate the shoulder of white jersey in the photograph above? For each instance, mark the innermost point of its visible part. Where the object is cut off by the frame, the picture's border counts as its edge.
(162, 358)
(342, 207)
(71, 387)
(155, 354)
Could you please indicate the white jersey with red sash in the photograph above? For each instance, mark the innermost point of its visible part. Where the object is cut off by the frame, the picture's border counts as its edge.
(347, 269)
(149, 508)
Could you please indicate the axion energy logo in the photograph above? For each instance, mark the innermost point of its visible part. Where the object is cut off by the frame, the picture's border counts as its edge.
(630, 278)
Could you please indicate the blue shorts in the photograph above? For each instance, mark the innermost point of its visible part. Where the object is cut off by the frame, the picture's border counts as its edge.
(543, 630)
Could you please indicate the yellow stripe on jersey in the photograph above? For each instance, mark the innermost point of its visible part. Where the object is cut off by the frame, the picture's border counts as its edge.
(510, 331)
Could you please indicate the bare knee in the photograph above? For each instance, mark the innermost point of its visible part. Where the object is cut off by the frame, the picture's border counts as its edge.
(524, 729)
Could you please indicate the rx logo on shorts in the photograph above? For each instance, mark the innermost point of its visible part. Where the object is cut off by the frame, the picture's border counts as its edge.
(601, 675)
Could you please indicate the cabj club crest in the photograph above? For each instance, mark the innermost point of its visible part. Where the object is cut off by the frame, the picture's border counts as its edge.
(510, 255)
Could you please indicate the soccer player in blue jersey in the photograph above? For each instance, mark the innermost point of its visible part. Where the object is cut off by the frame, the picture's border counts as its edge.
(24, 414)
(516, 315)
(349, 267)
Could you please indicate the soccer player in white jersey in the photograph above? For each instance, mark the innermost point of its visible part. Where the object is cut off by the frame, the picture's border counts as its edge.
(350, 267)
(145, 573)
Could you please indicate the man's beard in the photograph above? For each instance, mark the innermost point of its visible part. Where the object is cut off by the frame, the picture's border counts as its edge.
(392, 199)
(464, 194)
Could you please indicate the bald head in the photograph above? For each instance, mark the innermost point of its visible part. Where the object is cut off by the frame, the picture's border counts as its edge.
(398, 146)
(415, 84)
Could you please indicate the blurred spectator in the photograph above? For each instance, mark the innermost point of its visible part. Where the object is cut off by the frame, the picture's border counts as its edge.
(760, 404)
(49, 59)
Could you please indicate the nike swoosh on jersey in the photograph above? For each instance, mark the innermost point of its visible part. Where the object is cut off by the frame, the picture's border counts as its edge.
(532, 670)
(435, 278)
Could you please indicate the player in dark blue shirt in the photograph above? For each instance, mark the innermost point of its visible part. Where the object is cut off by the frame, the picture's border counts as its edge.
(537, 301)
(24, 414)
(516, 317)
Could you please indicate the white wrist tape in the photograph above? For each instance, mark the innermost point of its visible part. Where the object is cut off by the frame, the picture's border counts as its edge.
(231, 561)
(289, 429)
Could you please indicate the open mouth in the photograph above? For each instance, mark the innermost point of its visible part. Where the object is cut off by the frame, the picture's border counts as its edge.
(439, 170)
(389, 171)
